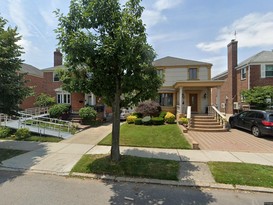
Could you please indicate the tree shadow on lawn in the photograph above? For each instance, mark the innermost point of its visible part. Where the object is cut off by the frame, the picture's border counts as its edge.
(17, 166)
(142, 193)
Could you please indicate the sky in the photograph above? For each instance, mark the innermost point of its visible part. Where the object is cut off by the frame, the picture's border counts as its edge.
(189, 29)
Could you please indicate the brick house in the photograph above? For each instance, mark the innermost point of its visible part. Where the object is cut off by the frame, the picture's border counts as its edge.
(186, 83)
(254, 71)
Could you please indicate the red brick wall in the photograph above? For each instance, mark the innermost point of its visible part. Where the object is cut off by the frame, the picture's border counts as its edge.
(37, 83)
(241, 84)
(50, 86)
(77, 101)
(255, 77)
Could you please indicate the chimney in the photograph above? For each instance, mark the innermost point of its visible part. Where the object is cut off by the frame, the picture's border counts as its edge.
(58, 57)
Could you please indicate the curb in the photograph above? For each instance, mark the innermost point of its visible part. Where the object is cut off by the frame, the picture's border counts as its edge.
(175, 183)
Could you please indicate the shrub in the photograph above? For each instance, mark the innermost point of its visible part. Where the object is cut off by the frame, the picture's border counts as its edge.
(138, 121)
(162, 114)
(4, 132)
(57, 110)
(88, 113)
(183, 120)
(44, 100)
(158, 121)
(147, 120)
(149, 108)
(138, 115)
(169, 118)
(22, 133)
(131, 119)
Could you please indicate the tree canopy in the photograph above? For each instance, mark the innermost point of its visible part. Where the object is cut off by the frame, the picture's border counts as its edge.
(260, 97)
(107, 53)
(12, 83)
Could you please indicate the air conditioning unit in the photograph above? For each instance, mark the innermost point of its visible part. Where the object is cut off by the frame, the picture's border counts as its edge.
(236, 106)
(223, 105)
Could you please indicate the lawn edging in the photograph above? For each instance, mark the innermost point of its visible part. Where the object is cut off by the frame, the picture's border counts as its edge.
(172, 182)
(191, 141)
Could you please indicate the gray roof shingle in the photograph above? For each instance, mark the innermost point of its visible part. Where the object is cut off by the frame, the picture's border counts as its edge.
(31, 70)
(172, 61)
(262, 57)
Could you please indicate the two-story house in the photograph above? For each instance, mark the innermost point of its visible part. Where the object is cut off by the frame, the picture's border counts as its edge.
(186, 83)
(254, 71)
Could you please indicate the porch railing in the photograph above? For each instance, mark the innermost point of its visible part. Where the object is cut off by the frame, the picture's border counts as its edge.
(212, 110)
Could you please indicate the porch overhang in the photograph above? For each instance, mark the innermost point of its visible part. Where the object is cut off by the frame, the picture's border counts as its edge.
(207, 83)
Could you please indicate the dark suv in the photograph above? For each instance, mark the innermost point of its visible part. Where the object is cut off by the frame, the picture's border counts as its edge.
(257, 121)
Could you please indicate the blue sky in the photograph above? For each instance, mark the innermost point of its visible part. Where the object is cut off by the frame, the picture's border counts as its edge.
(190, 29)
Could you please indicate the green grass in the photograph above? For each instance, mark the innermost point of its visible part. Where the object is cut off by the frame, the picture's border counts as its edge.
(161, 136)
(35, 138)
(242, 174)
(128, 166)
(9, 153)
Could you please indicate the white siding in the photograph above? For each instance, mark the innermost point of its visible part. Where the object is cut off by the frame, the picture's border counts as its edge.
(173, 75)
(203, 73)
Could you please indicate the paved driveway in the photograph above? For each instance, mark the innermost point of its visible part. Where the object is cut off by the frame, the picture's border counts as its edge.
(235, 141)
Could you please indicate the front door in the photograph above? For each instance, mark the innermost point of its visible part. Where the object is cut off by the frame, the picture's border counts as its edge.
(193, 102)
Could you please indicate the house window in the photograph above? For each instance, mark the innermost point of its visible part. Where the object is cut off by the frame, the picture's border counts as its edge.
(269, 71)
(160, 73)
(56, 77)
(166, 99)
(63, 98)
(243, 73)
(193, 74)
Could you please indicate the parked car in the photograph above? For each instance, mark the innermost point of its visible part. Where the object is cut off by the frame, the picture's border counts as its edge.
(257, 121)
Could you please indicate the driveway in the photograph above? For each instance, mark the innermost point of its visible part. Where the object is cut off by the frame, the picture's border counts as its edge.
(234, 141)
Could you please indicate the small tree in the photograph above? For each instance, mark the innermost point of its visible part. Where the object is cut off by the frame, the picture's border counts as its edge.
(12, 83)
(44, 100)
(260, 97)
(149, 108)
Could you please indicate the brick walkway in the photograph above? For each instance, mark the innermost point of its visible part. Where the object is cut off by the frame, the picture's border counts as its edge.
(234, 141)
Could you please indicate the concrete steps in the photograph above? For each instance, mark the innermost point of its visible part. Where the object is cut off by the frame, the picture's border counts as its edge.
(205, 123)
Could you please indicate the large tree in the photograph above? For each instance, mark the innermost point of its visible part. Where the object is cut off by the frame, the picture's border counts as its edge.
(260, 97)
(12, 83)
(107, 53)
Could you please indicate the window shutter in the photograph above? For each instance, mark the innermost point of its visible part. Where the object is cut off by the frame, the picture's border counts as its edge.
(262, 70)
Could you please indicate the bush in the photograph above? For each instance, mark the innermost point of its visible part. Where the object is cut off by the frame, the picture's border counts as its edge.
(147, 120)
(170, 118)
(183, 120)
(138, 121)
(88, 113)
(22, 133)
(131, 119)
(4, 132)
(162, 114)
(57, 110)
(158, 121)
(149, 108)
(44, 100)
(138, 115)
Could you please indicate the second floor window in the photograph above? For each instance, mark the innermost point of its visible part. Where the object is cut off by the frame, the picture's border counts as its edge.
(269, 71)
(193, 74)
(243, 74)
(56, 77)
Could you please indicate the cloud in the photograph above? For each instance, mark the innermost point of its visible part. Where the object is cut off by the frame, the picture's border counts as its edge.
(153, 14)
(255, 29)
(219, 64)
(168, 37)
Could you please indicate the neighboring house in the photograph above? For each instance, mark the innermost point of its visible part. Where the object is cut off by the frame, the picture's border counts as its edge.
(186, 83)
(254, 71)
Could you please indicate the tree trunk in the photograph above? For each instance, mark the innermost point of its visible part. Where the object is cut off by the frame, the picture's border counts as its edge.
(115, 153)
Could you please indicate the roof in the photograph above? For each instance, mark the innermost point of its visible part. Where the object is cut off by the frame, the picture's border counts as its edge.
(54, 68)
(223, 74)
(172, 61)
(262, 57)
(31, 70)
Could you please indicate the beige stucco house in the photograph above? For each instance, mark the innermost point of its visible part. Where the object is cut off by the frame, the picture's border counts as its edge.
(186, 83)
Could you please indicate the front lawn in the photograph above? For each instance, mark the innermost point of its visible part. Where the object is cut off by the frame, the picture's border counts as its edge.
(160, 136)
(9, 153)
(128, 166)
(242, 174)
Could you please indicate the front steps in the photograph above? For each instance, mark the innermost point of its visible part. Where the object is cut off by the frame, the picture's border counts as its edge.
(205, 123)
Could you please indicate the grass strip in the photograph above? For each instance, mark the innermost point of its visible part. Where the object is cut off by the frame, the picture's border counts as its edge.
(9, 153)
(160, 136)
(242, 174)
(128, 166)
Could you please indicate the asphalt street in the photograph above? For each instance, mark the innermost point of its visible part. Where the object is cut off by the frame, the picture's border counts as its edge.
(32, 189)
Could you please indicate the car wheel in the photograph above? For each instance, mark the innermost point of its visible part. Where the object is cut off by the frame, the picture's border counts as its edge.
(232, 124)
(255, 131)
